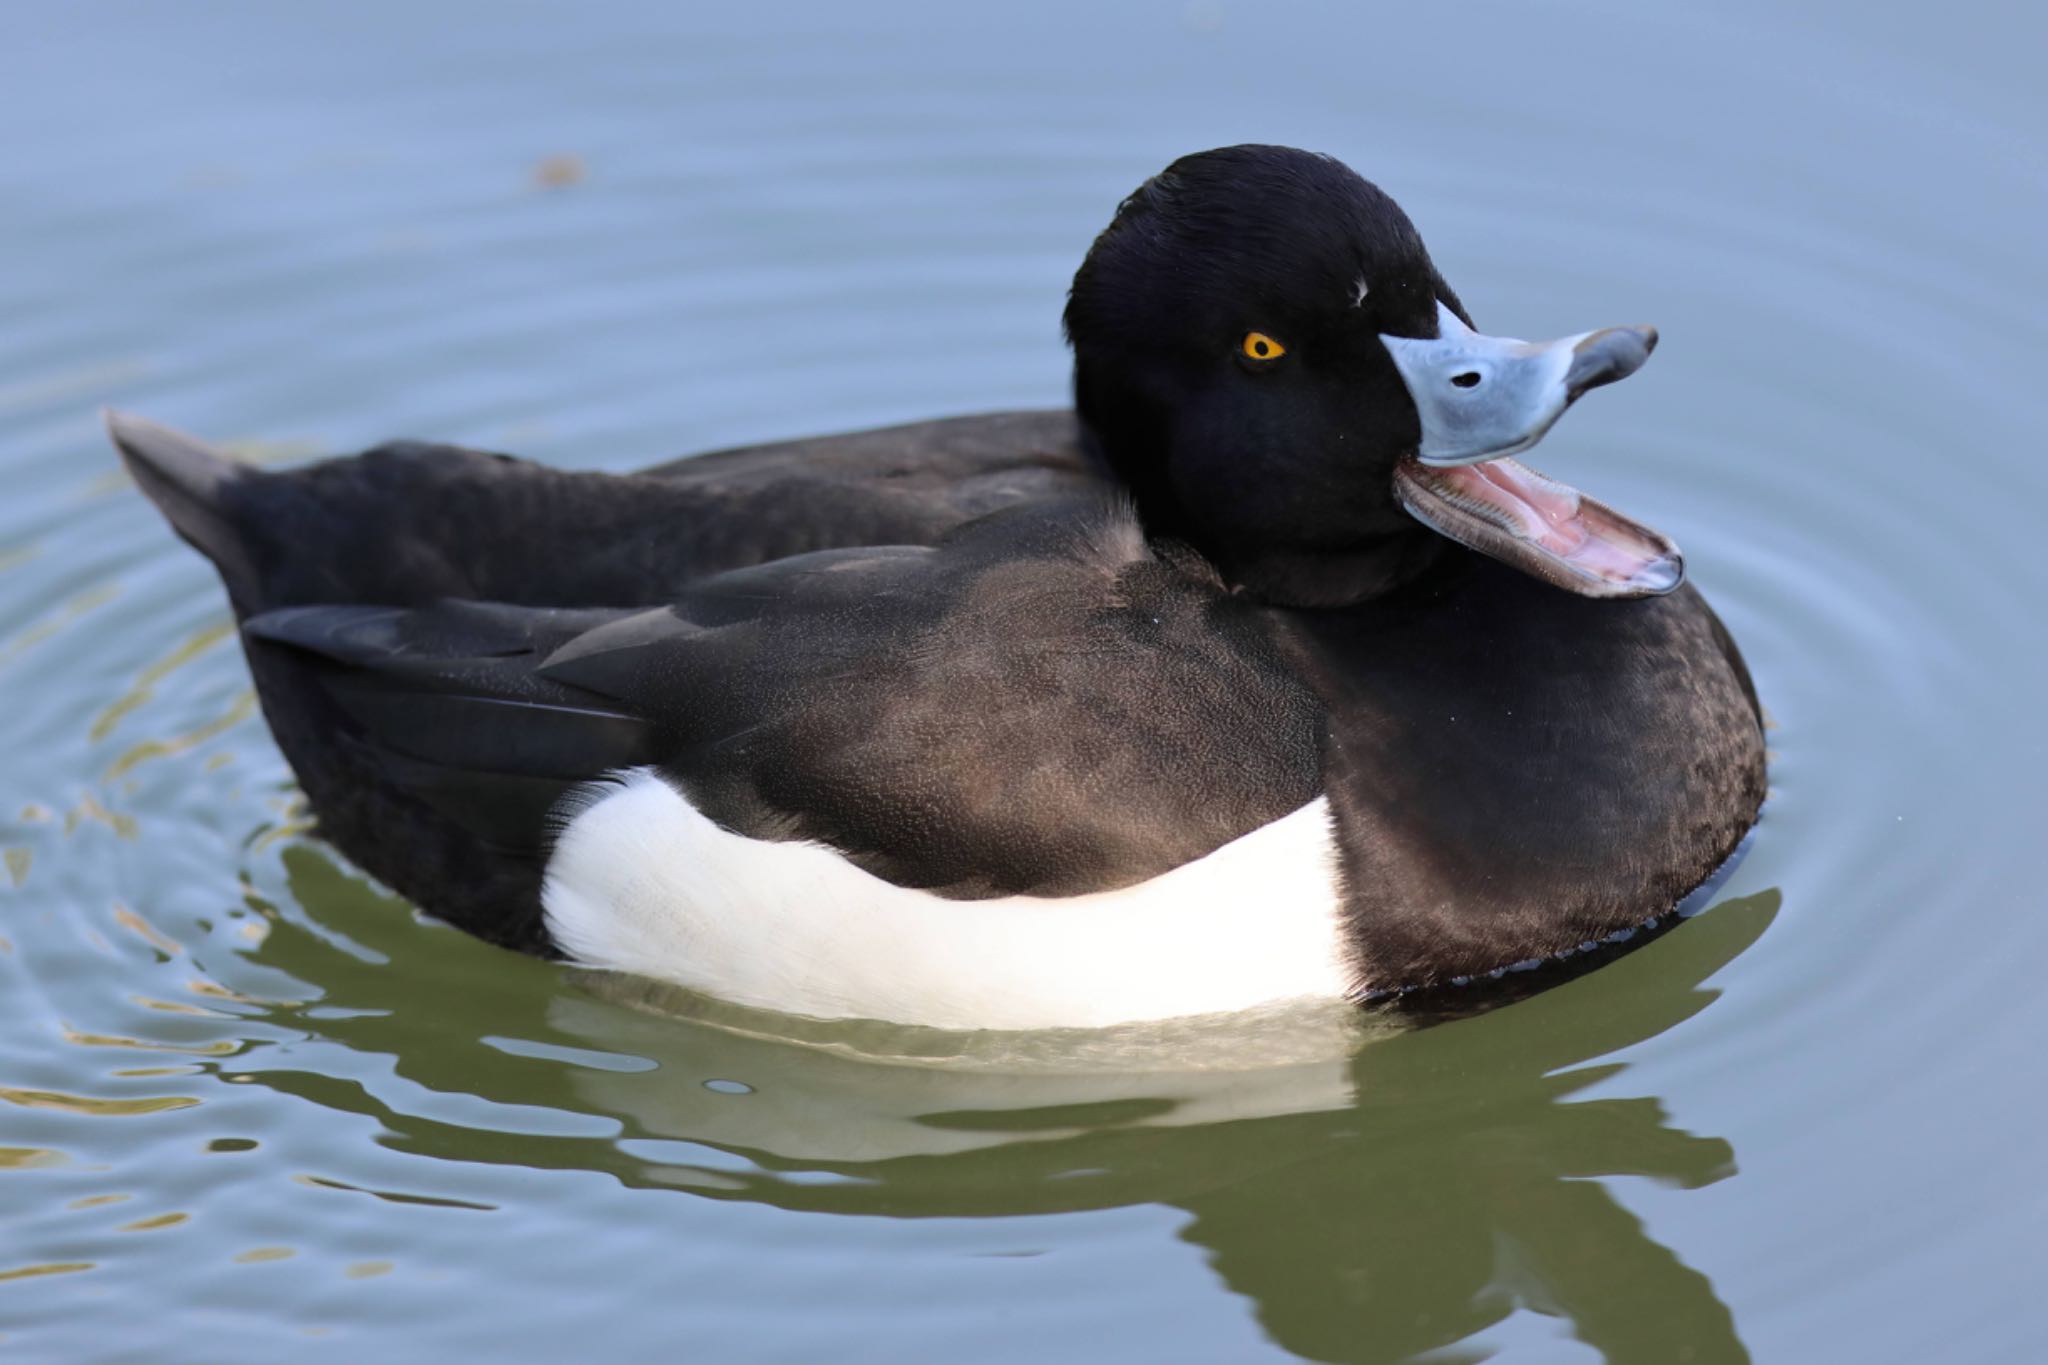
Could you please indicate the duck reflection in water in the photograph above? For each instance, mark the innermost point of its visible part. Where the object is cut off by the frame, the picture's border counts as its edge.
(1376, 1190)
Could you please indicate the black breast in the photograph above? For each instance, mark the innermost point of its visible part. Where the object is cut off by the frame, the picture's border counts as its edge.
(1515, 771)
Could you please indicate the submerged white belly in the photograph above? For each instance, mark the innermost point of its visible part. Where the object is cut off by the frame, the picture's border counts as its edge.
(640, 881)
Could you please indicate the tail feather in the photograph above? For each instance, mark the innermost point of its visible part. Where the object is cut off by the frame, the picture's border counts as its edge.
(199, 489)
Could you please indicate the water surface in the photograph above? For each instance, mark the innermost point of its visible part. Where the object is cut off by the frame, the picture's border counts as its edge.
(252, 1108)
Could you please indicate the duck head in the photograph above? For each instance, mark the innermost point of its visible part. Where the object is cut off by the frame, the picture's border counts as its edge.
(1266, 356)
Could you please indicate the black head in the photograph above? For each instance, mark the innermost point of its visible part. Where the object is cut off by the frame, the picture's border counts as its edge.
(1228, 364)
(1265, 355)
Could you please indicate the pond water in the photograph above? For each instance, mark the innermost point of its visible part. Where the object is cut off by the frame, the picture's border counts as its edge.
(252, 1108)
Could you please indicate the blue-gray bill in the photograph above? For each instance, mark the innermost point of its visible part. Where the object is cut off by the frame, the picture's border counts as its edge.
(1481, 399)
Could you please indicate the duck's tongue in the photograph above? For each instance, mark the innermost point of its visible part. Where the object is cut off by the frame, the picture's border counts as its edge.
(1480, 399)
(1549, 529)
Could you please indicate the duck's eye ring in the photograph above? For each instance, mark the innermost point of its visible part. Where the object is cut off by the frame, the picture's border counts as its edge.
(1259, 346)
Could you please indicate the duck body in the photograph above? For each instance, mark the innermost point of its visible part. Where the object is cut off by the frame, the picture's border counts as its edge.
(963, 724)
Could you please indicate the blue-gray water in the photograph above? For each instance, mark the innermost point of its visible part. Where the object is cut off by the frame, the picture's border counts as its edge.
(251, 1110)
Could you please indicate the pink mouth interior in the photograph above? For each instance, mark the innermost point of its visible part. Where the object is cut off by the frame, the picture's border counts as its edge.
(1506, 509)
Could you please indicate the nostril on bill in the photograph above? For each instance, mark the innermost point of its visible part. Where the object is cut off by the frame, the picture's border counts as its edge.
(1469, 379)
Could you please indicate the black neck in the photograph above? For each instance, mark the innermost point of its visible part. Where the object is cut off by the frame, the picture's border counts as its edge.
(1391, 553)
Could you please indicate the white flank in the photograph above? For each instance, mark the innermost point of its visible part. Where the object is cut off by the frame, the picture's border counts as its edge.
(640, 881)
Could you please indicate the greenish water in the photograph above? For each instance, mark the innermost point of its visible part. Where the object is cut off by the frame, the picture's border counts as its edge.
(253, 1109)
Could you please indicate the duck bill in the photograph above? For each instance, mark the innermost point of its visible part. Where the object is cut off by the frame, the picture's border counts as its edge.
(1482, 399)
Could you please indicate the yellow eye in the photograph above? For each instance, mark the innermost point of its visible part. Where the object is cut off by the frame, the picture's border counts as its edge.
(1259, 346)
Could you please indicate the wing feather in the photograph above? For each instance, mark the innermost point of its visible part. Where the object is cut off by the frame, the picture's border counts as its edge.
(449, 700)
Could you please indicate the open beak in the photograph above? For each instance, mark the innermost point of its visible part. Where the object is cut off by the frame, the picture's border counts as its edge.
(1482, 399)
